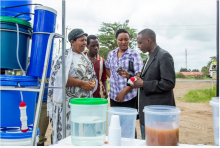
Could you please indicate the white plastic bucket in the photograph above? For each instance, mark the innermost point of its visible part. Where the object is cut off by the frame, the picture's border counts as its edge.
(161, 125)
(13, 136)
(88, 121)
(17, 142)
(215, 111)
(127, 118)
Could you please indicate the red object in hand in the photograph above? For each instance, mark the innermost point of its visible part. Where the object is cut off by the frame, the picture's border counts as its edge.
(132, 79)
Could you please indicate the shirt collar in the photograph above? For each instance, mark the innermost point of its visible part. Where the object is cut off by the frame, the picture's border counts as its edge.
(127, 51)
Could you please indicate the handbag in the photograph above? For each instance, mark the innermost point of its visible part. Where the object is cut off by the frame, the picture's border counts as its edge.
(131, 66)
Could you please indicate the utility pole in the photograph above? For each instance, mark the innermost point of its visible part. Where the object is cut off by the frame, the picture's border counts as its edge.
(186, 58)
(217, 52)
(66, 33)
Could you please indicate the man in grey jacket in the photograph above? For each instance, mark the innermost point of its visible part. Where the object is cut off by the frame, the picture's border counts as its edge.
(157, 78)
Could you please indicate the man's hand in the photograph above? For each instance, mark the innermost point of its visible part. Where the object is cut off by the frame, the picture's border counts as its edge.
(138, 83)
(123, 73)
(120, 96)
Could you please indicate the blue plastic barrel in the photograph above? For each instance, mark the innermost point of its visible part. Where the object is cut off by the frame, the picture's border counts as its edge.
(8, 42)
(44, 21)
(10, 100)
(12, 12)
(12, 136)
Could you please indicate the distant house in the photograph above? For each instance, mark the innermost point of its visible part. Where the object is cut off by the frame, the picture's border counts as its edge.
(191, 73)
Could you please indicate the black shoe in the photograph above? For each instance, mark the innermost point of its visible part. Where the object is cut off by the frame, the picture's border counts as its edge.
(42, 144)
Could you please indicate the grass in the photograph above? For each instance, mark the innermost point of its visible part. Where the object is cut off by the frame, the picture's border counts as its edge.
(108, 84)
(199, 95)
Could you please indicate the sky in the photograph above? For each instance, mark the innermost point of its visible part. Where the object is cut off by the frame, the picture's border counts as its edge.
(180, 25)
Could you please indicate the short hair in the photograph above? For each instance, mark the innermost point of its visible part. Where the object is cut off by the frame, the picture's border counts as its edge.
(148, 33)
(91, 37)
(121, 31)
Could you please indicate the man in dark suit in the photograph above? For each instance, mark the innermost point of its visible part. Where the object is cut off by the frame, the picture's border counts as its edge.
(157, 78)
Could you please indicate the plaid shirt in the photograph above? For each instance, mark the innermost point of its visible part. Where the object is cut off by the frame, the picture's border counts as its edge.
(117, 82)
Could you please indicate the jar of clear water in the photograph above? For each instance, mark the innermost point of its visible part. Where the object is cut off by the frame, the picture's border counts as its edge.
(88, 121)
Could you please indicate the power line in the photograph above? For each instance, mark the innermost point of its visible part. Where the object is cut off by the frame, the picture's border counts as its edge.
(154, 25)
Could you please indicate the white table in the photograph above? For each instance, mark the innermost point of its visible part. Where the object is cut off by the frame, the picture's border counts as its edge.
(124, 142)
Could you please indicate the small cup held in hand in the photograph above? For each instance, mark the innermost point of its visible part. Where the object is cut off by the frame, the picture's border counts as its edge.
(132, 80)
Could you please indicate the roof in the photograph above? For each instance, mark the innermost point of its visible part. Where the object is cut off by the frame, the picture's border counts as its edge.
(191, 73)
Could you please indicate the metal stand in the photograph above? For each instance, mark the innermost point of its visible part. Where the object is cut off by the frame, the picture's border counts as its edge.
(41, 89)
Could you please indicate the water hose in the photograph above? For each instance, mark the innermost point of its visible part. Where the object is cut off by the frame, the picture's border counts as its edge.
(18, 50)
(20, 92)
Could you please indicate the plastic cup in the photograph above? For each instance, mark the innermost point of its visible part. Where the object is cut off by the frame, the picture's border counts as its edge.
(215, 111)
(115, 122)
(161, 125)
(114, 134)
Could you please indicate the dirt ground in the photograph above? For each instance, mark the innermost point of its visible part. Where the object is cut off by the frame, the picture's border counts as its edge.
(196, 123)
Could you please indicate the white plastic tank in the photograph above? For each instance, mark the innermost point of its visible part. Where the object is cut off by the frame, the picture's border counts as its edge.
(88, 121)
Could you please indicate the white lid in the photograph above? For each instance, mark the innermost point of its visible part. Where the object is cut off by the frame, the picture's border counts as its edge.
(123, 111)
(214, 102)
(46, 8)
(161, 110)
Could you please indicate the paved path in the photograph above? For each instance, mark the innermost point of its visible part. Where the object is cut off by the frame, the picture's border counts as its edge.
(191, 80)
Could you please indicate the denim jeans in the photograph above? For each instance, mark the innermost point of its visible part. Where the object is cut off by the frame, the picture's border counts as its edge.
(142, 127)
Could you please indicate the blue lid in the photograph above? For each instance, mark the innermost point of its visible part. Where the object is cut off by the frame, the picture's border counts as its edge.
(24, 81)
(15, 133)
(15, 78)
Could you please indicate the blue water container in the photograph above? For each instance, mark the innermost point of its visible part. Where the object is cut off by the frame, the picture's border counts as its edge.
(12, 136)
(8, 42)
(44, 21)
(10, 100)
(12, 12)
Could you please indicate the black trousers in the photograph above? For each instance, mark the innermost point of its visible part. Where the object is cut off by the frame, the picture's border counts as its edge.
(131, 103)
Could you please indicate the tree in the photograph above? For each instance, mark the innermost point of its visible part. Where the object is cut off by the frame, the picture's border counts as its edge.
(183, 69)
(108, 40)
(205, 70)
(213, 59)
(195, 70)
(144, 57)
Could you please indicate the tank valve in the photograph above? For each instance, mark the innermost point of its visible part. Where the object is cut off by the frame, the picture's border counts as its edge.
(23, 117)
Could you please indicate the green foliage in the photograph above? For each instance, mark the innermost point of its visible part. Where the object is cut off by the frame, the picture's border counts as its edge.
(28, 60)
(195, 70)
(199, 76)
(144, 57)
(107, 37)
(205, 70)
(199, 95)
(213, 59)
(180, 75)
(108, 84)
(183, 69)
